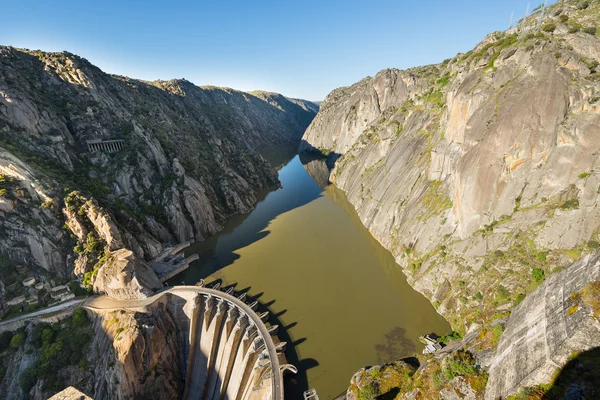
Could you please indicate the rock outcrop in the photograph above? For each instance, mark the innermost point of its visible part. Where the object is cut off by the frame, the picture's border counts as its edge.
(139, 355)
(477, 171)
(480, 173)
(124, 276)
(546, 329)
(177, 159)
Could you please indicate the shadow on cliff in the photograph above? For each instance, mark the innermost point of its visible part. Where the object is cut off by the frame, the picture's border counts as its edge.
(303, 179)
(579, 379)
(306, 149)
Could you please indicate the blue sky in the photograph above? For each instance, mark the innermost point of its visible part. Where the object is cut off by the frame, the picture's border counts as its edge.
(302, 49)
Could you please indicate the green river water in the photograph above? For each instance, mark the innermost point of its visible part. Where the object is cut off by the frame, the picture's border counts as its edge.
(342, 299)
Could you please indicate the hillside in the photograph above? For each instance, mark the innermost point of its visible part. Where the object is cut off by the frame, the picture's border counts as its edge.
(93, 162)
(479, 174)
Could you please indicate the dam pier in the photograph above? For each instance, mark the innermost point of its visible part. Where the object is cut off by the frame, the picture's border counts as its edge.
(227, 349)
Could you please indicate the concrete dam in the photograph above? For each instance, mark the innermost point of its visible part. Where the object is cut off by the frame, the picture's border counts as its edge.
(228, 352)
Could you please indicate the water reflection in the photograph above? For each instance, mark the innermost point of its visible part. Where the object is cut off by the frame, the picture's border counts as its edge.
(336, 292)
(240, 231)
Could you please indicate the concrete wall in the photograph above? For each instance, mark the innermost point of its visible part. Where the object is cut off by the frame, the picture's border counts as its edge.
(227, 351)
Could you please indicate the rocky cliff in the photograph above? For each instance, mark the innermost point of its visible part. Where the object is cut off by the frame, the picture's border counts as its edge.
(479, 174)
(475, 171)
(142, 163)
(112, 355)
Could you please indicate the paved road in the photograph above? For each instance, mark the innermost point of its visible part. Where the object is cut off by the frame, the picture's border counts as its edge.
(108, 304)
(49, 310)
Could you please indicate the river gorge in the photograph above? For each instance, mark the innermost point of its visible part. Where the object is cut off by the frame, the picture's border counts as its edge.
(345, 302)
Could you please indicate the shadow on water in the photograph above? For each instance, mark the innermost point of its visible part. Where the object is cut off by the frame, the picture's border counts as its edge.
(297, 189)
(294, 384)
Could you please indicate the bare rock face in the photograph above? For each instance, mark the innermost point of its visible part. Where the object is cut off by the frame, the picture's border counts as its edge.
(476, 171)
(188, 158)
(543, 332)
(125, 276)
(70, 393)
(139, 356)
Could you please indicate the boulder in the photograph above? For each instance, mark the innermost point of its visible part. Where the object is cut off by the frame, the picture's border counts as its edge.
(125, 276)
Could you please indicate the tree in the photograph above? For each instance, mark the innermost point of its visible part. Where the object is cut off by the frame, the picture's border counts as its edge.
(79, 318)
(5, 338)
(17, 341)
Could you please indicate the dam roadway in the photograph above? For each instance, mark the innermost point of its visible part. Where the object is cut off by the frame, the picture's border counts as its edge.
(230, 351)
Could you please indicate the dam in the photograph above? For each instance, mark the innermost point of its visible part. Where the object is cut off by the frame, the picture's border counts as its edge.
(228, 352)
(339, 297)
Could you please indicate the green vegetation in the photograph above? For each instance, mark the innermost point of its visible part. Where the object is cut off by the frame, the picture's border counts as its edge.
(435, 97)
(571, 204)
(8, 187)
(368, 392)
(583, 5)
(593, 244)
(502, 293)
(549, 27)
(5, 338)
(538, 275)
(61, 345)
(435, 200)
(17, 340)
(452, 336)
(591, 297)
(461, 363)
(590, 30)
(443, 81)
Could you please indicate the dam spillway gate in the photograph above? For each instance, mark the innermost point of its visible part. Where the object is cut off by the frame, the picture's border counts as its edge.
(228, 352)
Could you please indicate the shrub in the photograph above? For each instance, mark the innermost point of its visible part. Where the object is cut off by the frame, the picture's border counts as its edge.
(367, 392)
(48, 203)
(461, 363)
(5, 338)
(3, 193)
(563, 18)
(27, 379)
(583, 5)
(503, 293)
(584, 175)
(496, 331)
(80, 318)
(451, 336)
(569, 204)
(593, 244)
(591, 297)
(590, 29)
(478, 296)
(538, 275)
(574, 29)
(17, 340)
(549, 27)
(443, 81)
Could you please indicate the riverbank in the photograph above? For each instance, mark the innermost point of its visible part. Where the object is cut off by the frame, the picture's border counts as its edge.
(340, 296)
